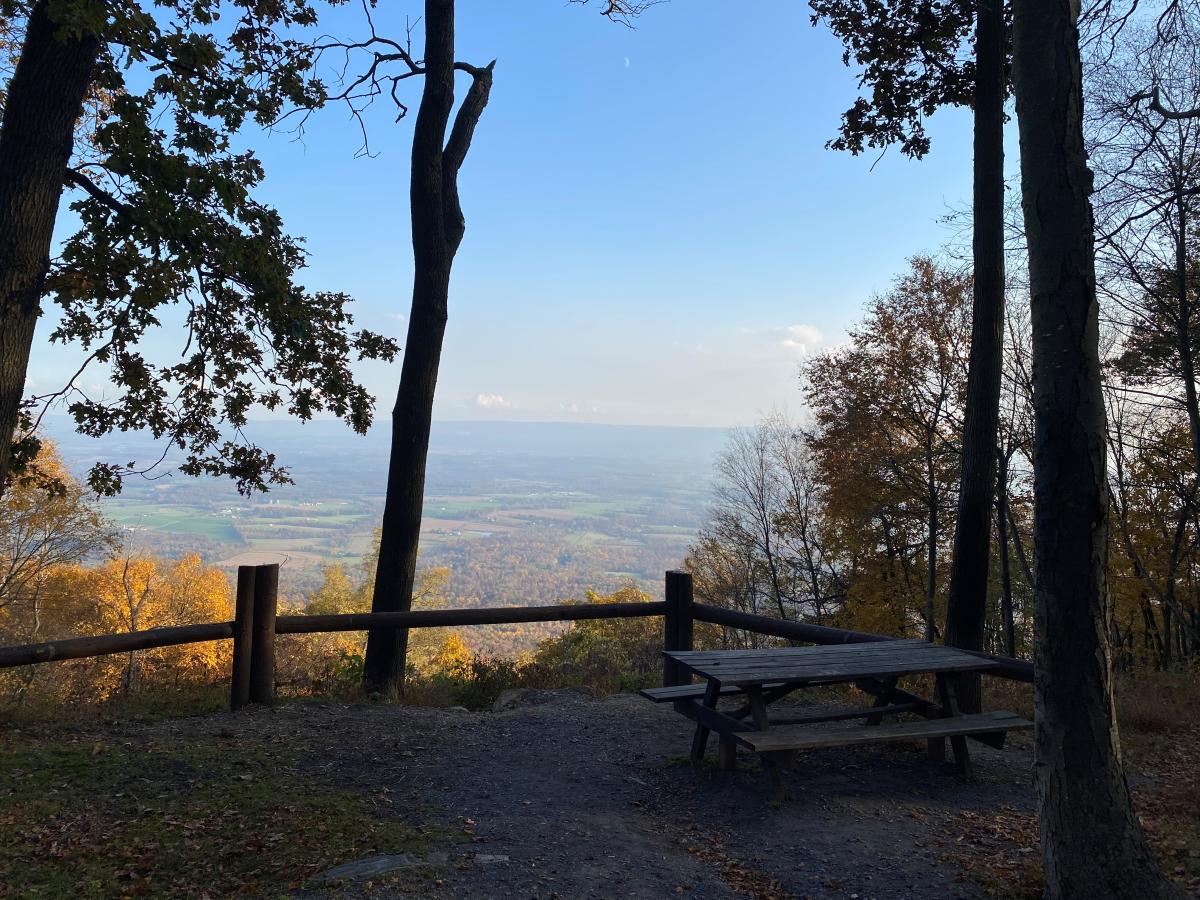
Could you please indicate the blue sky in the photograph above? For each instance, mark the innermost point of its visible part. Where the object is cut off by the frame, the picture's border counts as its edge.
(656, 233)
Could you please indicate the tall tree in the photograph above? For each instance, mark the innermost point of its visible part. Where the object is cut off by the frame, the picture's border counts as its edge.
(438, 227)
(1091, 842)
(171, 236)
(966, 606)
(887, 409)
(42, 104)
(915, 58)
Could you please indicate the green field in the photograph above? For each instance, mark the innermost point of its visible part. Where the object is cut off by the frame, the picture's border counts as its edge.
(174, 520)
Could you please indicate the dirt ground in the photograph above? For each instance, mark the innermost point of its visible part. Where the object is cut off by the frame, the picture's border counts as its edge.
(562, 796)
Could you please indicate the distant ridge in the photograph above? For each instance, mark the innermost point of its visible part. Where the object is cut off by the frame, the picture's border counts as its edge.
(297, 440)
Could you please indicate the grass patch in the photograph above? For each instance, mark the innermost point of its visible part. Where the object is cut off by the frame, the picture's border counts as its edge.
(204, 816)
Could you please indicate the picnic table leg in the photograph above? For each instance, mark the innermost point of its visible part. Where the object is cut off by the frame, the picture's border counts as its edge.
(883, 698)
(962, 756)
(727, 746)
(937, 749)
(700, 740)
(727, 754)
(937, 745)
(774, 763)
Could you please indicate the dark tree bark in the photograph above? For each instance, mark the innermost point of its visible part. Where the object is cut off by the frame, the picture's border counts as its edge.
(44, 102)
(437, 230)
(932, 527)
(1007, 622)
(1091, 843)
(1183, 322)
(966, 611)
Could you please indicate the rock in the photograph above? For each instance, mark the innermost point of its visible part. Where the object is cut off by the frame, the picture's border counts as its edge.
(490, 858)
(374, 866)
(458, 709)
(518, 697)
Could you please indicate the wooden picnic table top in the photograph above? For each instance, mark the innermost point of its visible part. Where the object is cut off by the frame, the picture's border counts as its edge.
(827, 664)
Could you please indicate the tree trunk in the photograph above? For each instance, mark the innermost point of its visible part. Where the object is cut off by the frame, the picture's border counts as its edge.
(931, 561)
(967, 605)
(1183, 330)
(44, 102)
(1019, 546)
(1091, 843)
(437, 232)
(1007, 618)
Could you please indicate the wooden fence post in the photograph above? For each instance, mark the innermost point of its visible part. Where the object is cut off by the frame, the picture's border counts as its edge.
(677, 625)
(262, 647)
(243, 636)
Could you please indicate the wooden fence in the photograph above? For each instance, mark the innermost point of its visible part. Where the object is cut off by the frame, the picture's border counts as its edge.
(256, 623)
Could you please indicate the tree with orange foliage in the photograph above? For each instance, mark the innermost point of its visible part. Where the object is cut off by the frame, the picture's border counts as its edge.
(887, 410)
(135, 593)
(46, 521)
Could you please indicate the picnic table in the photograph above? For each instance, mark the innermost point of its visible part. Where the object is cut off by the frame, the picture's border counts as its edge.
(759, 678)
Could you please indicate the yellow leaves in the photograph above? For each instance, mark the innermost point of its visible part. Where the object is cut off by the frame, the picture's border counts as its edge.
(46, 521)
(453, 657)
(336, 595)
(119, 595)
(142, 592)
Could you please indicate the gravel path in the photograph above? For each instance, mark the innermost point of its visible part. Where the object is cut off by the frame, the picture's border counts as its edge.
(568, 797)
(562, 796)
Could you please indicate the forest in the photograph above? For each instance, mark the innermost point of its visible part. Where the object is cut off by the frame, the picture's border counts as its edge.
(1001, 457)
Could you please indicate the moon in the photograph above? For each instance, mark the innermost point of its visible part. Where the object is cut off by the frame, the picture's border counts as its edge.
(627, 62)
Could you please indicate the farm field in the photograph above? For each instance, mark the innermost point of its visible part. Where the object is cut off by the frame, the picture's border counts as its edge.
(521, 513)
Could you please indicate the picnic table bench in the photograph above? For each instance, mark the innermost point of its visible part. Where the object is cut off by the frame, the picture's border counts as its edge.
(759, 678)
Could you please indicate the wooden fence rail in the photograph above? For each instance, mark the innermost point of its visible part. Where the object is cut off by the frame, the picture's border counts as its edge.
(256, 625)
(443, 618)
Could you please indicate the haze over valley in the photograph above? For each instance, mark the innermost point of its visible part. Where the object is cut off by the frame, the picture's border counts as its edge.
(521, 513)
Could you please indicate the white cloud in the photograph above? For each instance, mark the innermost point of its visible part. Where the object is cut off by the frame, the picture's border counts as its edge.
(785, 342)
(492, 401)
(803, 339)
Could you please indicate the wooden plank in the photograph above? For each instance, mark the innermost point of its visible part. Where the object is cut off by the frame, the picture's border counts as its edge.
(709, 717)
(700, 739)
(958, 743)
(802, 738)
(677, 626)
(726, 753)
(800, 655)
(1016, 669)
(858, 713)
(884, 698)
(243, 624)
(442, 618)
(684, 692)
(262, 640)
(918, 653)
(875, 688)
(876, 647)
(104, 644)
(759, 662)
(843, 672)
(771, 693)
(758, 665)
